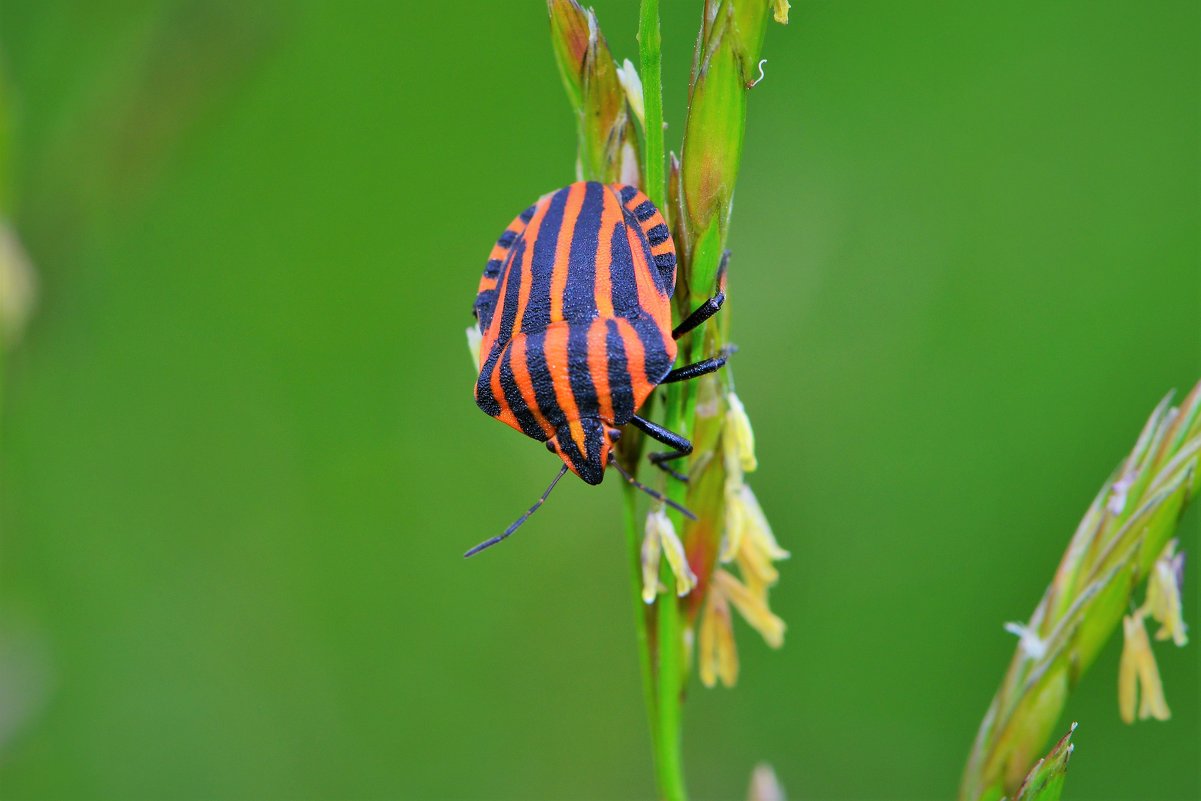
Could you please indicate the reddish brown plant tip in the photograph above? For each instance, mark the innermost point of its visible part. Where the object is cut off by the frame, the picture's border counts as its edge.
(608, 146)
(569, 23)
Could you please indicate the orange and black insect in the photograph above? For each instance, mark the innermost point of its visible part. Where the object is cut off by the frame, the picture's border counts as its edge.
(574, 309)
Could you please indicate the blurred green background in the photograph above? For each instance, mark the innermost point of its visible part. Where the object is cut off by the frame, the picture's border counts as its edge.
(240, 458)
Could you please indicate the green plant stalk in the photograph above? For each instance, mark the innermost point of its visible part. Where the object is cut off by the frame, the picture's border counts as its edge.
(641, 629)
(666, 712)
(651, 57)
(698, 209)
(589, 74)
(702, 190)
(731, 37)
(669, 763)
(670, 639)
(730, 42)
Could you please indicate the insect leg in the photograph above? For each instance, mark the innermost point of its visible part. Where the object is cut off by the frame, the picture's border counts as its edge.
(700, 315)
(710, 306)
(658, 496)
(669, 438)
(694, 370)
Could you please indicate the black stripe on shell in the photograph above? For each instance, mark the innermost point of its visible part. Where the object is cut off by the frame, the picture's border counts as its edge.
(540, 378)
(579, 373)
(658, 235)
(579, 292)
(485, 304)
(483, 386)
(515, 400)
(622, 281)
(512, 293)
(621, 391)
(536, 316)
(644, 211)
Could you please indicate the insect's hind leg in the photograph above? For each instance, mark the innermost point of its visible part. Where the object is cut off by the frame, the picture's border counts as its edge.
(710, 307)
(682, 447)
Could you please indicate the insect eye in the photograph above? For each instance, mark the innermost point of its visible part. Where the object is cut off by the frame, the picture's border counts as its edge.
(550, 446)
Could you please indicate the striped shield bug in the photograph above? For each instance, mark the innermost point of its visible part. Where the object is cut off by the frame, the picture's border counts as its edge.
(574, 311)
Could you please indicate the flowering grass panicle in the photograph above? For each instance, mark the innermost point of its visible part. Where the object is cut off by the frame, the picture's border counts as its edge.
(1123, 542)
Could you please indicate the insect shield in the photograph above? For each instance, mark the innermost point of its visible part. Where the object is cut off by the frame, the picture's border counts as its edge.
(574, 310)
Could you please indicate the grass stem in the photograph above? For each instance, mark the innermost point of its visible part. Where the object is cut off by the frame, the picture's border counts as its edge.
(668, 763)
(651, 67)
(665, 706)
(645, 661)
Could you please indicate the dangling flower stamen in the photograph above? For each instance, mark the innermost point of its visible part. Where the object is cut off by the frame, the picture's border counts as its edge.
(651, 548)
(1138, 675)
(740, 437)
(1163, 596)
(751, 606)
(718, 658)
(780, 10)
(661, 538)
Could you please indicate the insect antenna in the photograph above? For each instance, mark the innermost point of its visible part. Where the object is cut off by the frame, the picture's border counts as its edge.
(658, 496)
(518, 521)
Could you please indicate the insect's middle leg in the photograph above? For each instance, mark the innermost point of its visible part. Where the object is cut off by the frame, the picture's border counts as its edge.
(696, 369)
(682, 447)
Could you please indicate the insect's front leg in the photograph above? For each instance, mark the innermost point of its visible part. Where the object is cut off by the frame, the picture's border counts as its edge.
(682, 447)
(710, 307)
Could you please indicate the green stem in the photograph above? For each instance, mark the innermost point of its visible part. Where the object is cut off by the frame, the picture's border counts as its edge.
(669, 635)
(665, 710)
(645, 660)
(650, 53)
(669, 764)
